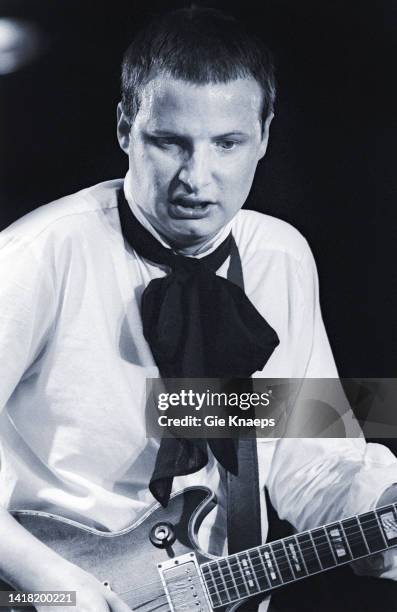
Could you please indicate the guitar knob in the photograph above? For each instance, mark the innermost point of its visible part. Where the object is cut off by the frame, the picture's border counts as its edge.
(162, 535)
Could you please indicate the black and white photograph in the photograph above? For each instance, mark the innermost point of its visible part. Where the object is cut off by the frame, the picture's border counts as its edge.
(197, 224)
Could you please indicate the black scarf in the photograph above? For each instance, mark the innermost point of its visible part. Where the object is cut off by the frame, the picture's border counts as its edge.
(198, 325)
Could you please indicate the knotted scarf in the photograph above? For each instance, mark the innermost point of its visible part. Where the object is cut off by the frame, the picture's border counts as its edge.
(198, 325)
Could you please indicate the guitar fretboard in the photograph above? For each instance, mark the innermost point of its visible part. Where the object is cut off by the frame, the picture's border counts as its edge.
(265, 567)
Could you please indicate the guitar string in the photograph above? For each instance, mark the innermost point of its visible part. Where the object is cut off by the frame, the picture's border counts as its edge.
(282, 565)
(147, 602)
(353, 531)
(155, 608)
(349, 536)
(240, 580)
(143, 586)
(220, 592)
(149, 584)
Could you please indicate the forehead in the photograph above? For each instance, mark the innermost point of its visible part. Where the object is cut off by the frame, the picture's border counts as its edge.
(182, 106)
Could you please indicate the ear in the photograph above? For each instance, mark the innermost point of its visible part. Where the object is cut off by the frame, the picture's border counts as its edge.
(123, 129)
(265, 136)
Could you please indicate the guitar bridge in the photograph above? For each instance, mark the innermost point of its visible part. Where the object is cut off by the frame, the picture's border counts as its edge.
(183, 584)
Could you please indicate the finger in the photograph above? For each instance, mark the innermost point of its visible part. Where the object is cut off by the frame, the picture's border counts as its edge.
(370, 566)
(93, 604)
(116, 604)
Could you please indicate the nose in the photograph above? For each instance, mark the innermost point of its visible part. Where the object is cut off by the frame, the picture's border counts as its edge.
(195, 173)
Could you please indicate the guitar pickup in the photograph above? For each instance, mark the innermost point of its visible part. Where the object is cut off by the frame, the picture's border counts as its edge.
(183, 584)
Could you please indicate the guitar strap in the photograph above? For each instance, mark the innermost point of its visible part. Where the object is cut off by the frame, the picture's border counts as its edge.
(243, 503)
(243, 507)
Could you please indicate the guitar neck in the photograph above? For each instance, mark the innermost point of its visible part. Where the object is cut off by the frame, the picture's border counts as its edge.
(265, 567)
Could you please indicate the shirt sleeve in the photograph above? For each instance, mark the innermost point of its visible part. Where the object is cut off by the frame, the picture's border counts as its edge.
(320, 362)
(314, 481)
(27, 306)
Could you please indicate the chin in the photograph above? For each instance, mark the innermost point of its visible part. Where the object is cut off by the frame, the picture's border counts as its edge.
(189, 236)
(195, 229)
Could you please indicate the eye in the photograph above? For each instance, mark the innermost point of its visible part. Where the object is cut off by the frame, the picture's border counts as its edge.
(167, 141)
(226, 145)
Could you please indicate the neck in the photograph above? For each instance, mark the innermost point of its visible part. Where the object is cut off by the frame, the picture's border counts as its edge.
(196, 248)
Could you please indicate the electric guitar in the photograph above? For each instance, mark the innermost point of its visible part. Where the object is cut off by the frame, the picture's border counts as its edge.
(155, 565)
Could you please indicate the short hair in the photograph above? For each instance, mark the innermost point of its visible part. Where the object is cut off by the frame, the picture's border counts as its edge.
(198, 45)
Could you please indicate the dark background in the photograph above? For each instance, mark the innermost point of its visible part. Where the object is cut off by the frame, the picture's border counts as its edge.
(328, 170)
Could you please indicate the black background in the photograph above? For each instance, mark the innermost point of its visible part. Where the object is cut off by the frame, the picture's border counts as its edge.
(328, 170)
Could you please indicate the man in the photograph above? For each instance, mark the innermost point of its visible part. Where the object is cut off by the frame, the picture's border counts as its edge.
(197, 104)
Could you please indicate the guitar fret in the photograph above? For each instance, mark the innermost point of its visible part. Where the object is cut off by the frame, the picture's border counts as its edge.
(309, 555)
(372, 531)
(355, 537)
(231, 573)
(249, 578)
(210, 584)
(267, 576)
(269, 563)
(278, 573)
(295, 558)
(245, 581)
(254, 572)
(240, 581)
(217, 593)
(282, 562)
(337, 539)
(260, 570)
(381, 530)
(363, 534)
(331, 547)
(345, 539)
(224, 581)
(288, 559)
(323, 547)
(304, 563)
(387, 519)
(315, 550)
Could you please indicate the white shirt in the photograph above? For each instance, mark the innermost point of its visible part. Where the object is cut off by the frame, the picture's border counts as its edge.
(74, 363)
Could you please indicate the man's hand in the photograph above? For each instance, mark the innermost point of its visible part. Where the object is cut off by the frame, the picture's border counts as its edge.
(382, 565)
(29, 565)
(91, 595)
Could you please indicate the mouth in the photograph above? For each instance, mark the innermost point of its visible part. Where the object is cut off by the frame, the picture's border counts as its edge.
(186, 208)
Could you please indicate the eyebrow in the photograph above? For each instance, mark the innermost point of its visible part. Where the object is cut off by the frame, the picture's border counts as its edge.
(165, 133)
(230, 134)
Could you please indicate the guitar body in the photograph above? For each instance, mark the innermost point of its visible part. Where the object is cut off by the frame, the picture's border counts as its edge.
(128, 560)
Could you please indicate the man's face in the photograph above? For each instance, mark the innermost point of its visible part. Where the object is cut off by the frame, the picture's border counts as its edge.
(193, 150)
